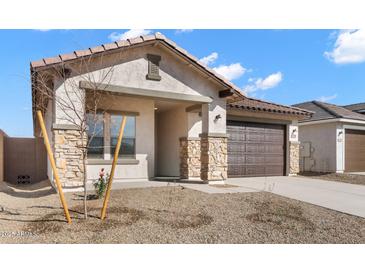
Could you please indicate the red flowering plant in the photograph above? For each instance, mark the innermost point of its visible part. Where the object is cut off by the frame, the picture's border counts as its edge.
(101, 183)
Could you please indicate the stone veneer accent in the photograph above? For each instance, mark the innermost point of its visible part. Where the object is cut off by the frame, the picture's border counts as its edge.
(214, 159)
(294, 158)
(190, 158)
(68, 157)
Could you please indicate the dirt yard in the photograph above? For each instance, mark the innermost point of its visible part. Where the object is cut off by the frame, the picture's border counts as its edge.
(173, 215)
(338, 177)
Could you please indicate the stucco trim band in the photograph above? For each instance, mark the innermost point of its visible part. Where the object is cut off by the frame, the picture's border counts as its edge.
(156, 94)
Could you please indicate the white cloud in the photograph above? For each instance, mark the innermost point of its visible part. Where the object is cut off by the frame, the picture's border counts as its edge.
(231, 72)
(327, 98)
(132, 33)
(42, 30)
(178, 31)
(348, 48)
(270, 81)
(210, 59)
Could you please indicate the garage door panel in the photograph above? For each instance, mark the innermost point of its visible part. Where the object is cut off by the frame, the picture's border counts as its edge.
(278, 149)
(255, 149)
(354, 150)
(237, 160)
(236, 147)
(255, 170)
(274, 160)
(254, 137)
(273, 138)
(238, 135)
(254, 159)
(273, 170)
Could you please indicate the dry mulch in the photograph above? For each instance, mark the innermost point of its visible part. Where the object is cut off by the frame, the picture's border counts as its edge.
(338, 177)
(176, 215)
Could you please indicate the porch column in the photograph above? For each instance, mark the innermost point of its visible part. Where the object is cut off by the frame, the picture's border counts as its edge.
(214, 142)
(293, 146)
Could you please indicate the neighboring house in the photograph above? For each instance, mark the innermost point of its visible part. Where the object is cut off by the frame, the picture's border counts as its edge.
(184, 120)
(333, 139)
(359, 107)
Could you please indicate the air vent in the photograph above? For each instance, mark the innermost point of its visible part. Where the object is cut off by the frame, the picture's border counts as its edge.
(23, 179)
(153, 67)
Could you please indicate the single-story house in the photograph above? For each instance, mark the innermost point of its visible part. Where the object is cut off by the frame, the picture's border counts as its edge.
(333, 138)
(183, 119)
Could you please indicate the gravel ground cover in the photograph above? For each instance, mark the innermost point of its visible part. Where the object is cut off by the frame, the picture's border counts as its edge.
(175, 215)
(338, 177)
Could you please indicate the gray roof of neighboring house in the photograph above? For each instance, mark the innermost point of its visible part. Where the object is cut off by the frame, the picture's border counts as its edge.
(356, 107)
(325, 111)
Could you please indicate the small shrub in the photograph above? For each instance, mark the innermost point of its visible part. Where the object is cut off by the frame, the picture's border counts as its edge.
(101, 184)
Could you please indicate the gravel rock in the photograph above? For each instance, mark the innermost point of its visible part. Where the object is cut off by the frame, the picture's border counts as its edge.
(176, 215)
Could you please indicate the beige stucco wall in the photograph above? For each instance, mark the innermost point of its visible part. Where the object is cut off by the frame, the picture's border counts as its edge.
(1, 156)
(171, 125)
(194, 124)
(322, 138)
(145, 138)
(129, 68)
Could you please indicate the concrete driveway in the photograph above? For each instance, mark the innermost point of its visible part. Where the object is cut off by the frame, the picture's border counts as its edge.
(347, 198)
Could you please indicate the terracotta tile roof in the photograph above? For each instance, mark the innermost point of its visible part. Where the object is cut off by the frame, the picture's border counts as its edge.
(263, 106)
(40, 64)
(247, 103)
(323, 111)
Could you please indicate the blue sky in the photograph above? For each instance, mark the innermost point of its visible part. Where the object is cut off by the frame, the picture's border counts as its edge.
(283, 66)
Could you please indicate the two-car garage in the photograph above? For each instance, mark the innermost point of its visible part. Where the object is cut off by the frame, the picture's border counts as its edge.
(256, 149)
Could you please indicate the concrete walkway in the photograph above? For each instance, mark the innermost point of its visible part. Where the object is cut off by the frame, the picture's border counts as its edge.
(344, 197)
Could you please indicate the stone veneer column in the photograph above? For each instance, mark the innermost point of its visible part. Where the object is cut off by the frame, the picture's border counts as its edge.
(294, 157)
(213, 157)
(190, 158)
(68, 156)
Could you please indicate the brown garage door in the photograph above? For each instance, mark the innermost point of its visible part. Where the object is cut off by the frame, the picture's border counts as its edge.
(354, 150)
(255, 149)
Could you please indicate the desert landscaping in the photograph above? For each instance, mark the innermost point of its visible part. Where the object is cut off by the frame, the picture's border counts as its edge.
(172, 214)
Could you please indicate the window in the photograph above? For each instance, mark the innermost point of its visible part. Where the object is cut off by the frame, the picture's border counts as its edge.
(127, 148)
(103, 130)
(95, 135)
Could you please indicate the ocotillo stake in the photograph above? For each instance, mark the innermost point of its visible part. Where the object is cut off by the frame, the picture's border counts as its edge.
(115, 160)
(53, 164)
